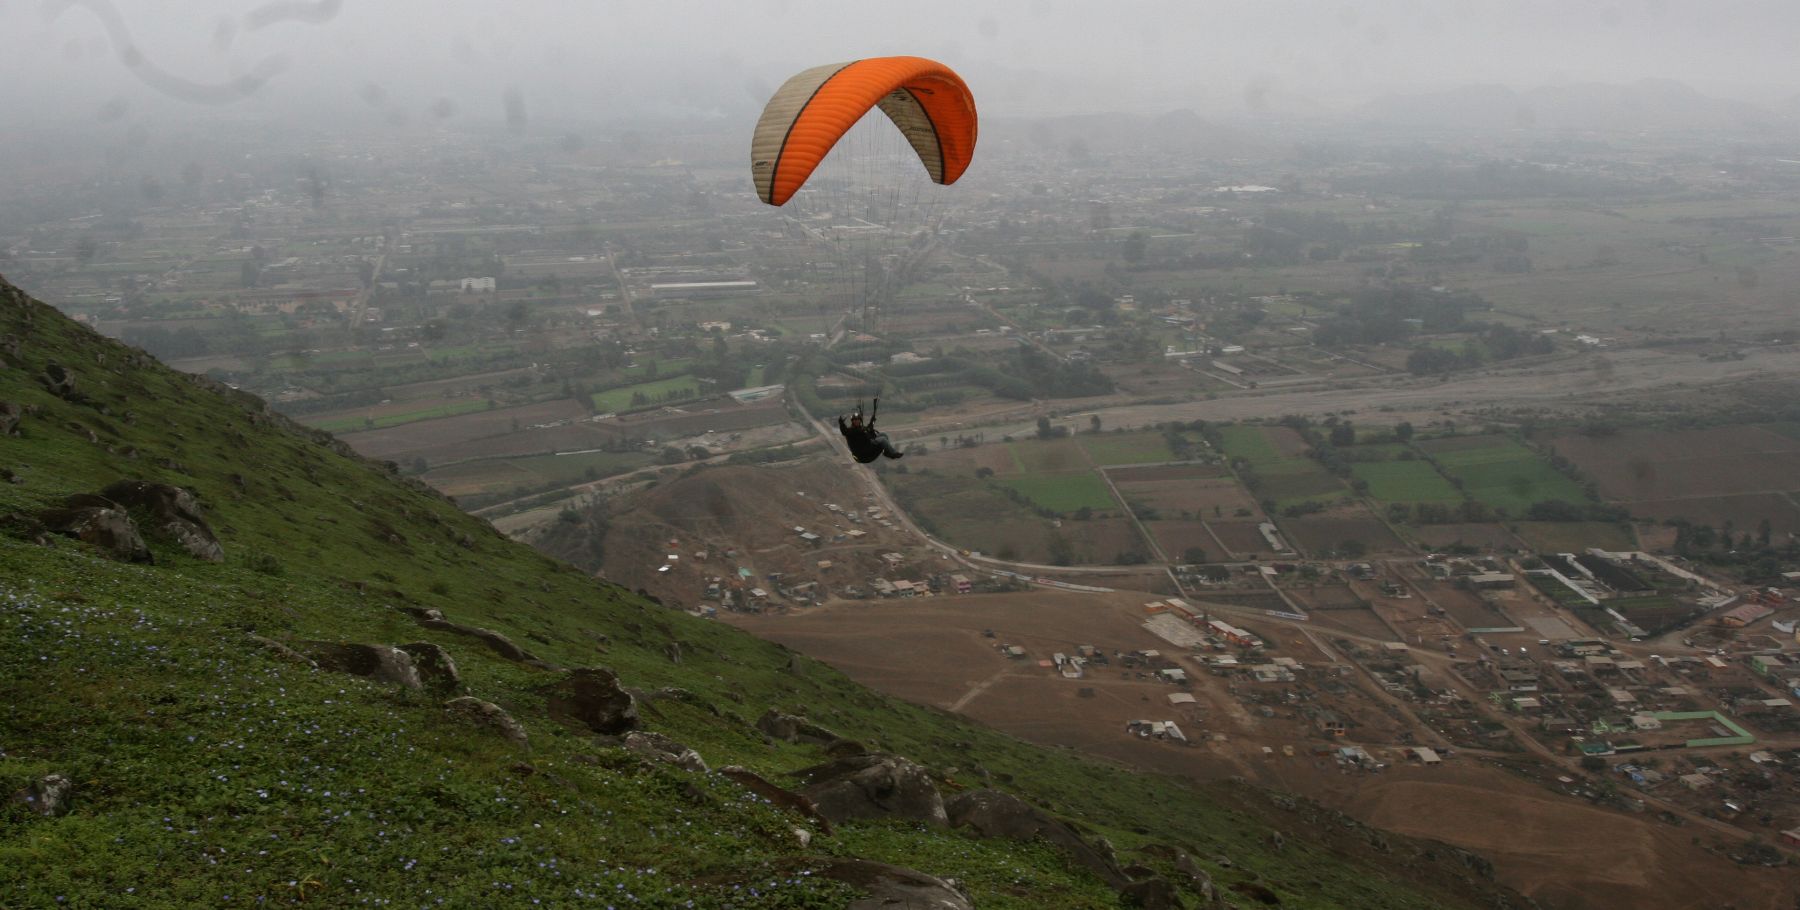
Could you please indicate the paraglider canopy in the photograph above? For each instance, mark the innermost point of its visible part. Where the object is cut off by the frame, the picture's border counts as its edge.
(813, 109)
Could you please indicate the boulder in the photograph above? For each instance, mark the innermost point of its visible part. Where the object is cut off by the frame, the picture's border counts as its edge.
(170, 511)
(1154, 893)
(788, 728)
(991, 813)
(894, 887)
(877, 785)
(283, 652)
(48, 795)
(381, 663)
(110, 529)
(591, 698)
(11, 347)
(502, 645)
(658, 747)
(58, 379)
(436, 668)
(487, 715)
(10, 415)
(778, 796)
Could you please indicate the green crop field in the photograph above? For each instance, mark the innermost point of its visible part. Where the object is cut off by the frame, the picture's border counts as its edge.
(671, 367)
(1248, 442)
(1405, 481)
(1064, 492)
(1126, 448)
(1505, 475)
(620, 398)
(1052, 456)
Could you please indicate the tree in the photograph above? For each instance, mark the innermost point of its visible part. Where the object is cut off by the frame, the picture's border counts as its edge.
(1044, 430)
(1193, 555)
(1403, 431)
(1343, 435)
(1062, 553)
(983, 472)
(1094, 422)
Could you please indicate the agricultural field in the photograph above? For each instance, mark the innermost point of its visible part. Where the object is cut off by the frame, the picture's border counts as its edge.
(1502, 473)
(654, 392)
(509, 475)
(1041, 456)
(1411, 481)
(1740, 474)
(1575, 536)
(972, 514)
(1480, 536)
(1063, 492)
(399, 442)
(383, 418)
(1263, 446)
(1176, 538)
(1125, 448)
(1209, 498)
(1241, 538)
(1346, 532)
(1277, 457)
(1652, 612)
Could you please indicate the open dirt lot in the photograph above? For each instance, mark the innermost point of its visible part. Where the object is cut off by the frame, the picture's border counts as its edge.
(1320, 534)
(1560, 851)
(1563, 852)
(413, 438)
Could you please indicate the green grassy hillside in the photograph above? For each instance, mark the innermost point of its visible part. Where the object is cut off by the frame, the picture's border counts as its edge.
(208, 770)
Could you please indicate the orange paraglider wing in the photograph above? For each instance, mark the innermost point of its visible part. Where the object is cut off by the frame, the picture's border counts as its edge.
(927, 100)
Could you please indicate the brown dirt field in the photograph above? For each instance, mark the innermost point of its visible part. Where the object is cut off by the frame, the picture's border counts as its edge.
(1465, 607)
(1286, 441)
(1241, 537)
(1561, 852)
(574, 437)
(1316, 535)
(1198, 496)
(1100, 540)
(1154, 473)
(1175, 537)
(1362, 621)
(997, 458)
(414, 437)
(1743, 511)
(1326, 597)
(1485, 536)
(1642, 465)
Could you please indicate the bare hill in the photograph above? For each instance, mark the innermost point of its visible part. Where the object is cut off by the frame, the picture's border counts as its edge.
(738, 516)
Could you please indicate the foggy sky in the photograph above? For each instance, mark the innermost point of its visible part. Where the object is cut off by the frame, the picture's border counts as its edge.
(583, 59)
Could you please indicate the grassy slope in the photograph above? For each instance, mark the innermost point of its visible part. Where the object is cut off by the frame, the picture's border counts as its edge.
(205, 768)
